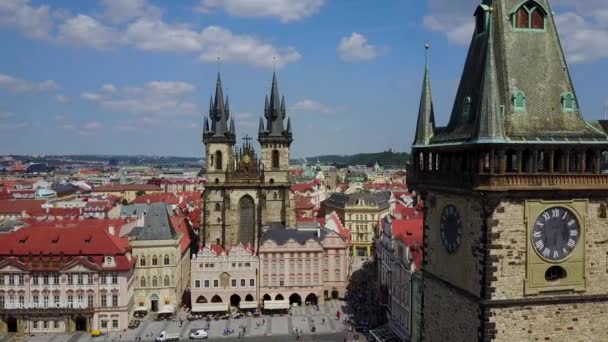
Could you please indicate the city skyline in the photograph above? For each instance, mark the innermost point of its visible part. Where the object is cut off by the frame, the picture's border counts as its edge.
(146, 70)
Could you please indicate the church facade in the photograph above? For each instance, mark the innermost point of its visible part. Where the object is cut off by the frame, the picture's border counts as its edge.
(245, 192)
(516, 218)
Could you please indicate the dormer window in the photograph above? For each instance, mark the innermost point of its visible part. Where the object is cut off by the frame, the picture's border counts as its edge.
(481, 22)
(466, 109)
(529, 16)
(568, 102)
(519, 101)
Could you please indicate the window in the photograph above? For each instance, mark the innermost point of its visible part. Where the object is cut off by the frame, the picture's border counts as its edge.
(275, 159)
(56, 324)
(90, 301)
(35, 323)
(89, 279)
(55, 299)
(114, 278)
(167, 281)
(80, 299)
(218, 207)
(154, 261)
(154, 281)
(104, 324)
(167, 261)
(142, 282)
(251, 282)
(243, 283)
(114, 300)
(466, 109)
(35, 299)
(21, 279)
(1, 279)
(197, 283)
(70, 279)
(233, 282)
(142, 261)
(218, 160)
(12, 282)
(519, 101)
(568, 102)
(103, 279)
(1, 301)
(70, 300)
(216, 283)
(337, 274)
(80, 279)
(45, 324)
(115, 323)
(104, 300)
(529, 16)
(45, 301)
(206, 282)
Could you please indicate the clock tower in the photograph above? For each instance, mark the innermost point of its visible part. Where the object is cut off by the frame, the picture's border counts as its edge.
(516, 219)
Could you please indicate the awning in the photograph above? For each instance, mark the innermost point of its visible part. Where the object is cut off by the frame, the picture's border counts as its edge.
(248, 305)
(276, 304)
(141, 309)
(167, 309)
(211, 307)
(384, 334)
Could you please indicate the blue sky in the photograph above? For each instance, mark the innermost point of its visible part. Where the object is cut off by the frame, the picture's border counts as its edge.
(134, 77)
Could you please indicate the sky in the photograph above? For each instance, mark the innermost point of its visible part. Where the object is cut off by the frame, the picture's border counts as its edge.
(135, 76)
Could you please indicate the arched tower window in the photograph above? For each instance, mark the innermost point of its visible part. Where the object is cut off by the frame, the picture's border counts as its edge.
(218, 160)
(166, 281)
(519, 101)
(275, 159)
(142, 282)
(218, 207)
(246, 231)
(167, 261)
(142, 261)
(154, 281)
(466, 109)
(154, 261)
(568, 103)
(529, 16)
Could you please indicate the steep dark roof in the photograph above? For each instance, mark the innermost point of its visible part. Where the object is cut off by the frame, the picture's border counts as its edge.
(222, 127)
(281, 235)
(425, 127)
(340, 200)
(502, 61)
(275, 113)
(157, 225)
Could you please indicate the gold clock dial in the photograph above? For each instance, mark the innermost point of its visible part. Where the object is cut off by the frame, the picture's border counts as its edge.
(246, 159)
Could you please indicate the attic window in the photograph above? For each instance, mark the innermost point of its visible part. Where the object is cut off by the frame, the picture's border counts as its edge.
(568, 102)
(55, 240)
(23, 241)
(529, 16)
(466, 108)
(519, 101)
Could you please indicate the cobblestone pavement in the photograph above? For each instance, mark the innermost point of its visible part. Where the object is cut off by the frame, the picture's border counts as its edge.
(265, 328)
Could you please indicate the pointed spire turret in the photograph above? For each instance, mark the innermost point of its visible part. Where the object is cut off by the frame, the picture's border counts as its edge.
(206, 125)
(219, 113)
(261, 126)
(289, 125)
(275, 113)
(489, 123)
(232, 130)
(425, 128)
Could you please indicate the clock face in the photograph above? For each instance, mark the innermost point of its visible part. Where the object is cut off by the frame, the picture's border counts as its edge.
(555, 234)
(246, 159)
(451, 228)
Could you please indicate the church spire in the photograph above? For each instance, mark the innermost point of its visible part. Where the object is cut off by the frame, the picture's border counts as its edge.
(219, 113)
(275, 113)
(425, 127)
(489, 122)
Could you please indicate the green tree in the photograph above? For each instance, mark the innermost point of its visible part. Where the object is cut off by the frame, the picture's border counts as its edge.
(139, 193)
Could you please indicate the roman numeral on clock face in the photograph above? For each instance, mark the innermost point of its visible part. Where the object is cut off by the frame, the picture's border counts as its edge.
(546, 252)
(571, 243)
(540, 245)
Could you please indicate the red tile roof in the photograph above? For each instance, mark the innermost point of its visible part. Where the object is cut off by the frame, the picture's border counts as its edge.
(45, 247)
(126, 187)
(16, 207)
(4, 194)
(161, 197)
(304, 203)
(410, 231)
(181, 226)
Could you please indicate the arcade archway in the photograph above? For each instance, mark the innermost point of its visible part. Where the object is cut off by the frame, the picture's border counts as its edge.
(295, 298)
(81, 323)
(235, 300)
(11, 323)
(312, 299)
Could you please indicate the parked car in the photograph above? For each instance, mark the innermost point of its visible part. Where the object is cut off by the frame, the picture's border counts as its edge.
(95, 333)
(200, 334)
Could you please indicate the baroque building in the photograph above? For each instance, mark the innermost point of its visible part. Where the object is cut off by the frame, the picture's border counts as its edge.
(516, 220)
(244, 192)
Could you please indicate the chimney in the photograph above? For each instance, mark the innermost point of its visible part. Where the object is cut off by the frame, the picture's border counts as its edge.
(111, 230)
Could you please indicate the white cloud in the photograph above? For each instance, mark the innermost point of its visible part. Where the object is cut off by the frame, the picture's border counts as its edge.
(59, 118)
(121, 11)
(13, 125)
(163, 98)
(22, 86)
(284, 10)
(62, 99)
(34, 22)
(156, 35)
(312, 106)
(356, 48)
(92, 126)
(108, 88)
(244, 49)
(82, 30)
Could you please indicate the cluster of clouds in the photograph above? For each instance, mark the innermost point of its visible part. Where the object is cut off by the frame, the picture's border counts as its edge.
(140, 25)
(583, 25)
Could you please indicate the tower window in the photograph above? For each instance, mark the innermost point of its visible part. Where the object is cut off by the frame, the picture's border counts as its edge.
(218, 207)
(555, 273)
(529, 16)
(568, 102)
(519, 100)
(218, 160)
(466, 109)
(275, 159)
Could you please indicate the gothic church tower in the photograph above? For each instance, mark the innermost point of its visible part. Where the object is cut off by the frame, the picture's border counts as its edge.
(516, 219)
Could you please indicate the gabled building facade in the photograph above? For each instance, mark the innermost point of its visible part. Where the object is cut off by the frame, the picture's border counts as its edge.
(514, 189)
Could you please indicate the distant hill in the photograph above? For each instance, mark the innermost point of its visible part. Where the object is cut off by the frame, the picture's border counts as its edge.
(387, 158)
